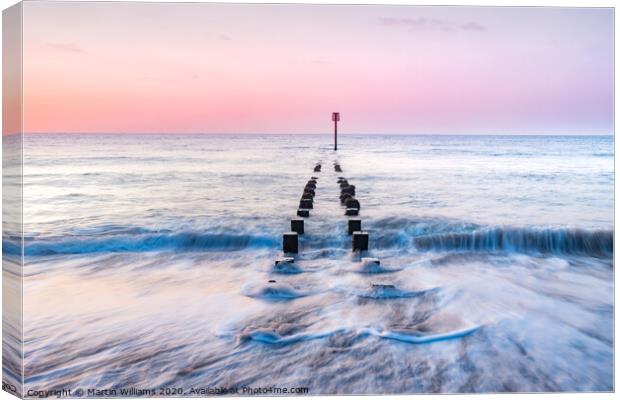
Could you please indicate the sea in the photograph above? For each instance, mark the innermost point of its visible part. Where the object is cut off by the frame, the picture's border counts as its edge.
(150, 264)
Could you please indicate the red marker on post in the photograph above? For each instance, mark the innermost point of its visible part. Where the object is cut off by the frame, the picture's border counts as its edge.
(336, 118)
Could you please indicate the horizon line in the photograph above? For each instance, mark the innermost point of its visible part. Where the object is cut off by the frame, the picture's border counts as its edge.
(310, 133)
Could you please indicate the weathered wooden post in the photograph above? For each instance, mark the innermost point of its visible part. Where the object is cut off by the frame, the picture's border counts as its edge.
(284, 260)
(355, 224)
(360, 240)
(352, 203)
(348, 189)
(305, 203)
(344, 197)
(297, 225)
(290, 242)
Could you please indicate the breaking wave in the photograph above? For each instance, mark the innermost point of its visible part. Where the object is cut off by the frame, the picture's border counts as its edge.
(422, 234)
(595, 243)
(186, 241)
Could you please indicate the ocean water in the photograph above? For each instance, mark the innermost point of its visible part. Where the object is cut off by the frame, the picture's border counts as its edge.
(148, 261)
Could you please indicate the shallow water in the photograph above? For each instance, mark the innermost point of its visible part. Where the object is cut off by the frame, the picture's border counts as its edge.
(149, 260)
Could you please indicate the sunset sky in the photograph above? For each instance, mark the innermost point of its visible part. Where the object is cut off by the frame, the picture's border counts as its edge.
(230, 68)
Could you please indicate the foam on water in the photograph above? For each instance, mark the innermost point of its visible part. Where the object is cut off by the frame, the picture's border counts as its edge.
(178, 242)
(273, 291)
(149, 260)
(593, 242)
(383, 291)
(421, 339)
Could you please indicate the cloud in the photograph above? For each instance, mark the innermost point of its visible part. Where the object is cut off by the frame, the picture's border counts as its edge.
(432, 24)
(410, 22)
(225, 37)
(68, 47)
(473, 26)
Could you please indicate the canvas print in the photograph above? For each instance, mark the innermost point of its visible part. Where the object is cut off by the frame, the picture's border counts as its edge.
(206, 199)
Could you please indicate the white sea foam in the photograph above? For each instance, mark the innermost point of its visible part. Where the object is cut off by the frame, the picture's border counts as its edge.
(142, 250)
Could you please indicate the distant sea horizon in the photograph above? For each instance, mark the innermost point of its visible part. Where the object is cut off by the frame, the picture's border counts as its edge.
(316, 134)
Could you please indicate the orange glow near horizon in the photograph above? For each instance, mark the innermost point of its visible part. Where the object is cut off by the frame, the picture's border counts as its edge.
(233, 68)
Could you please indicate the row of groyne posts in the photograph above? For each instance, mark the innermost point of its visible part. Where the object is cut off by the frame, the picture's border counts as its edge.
(359, 242)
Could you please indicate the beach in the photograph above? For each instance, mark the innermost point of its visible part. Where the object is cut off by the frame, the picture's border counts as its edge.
(148, 260)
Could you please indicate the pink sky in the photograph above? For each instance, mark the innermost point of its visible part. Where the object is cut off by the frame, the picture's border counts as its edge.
(230, 68)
